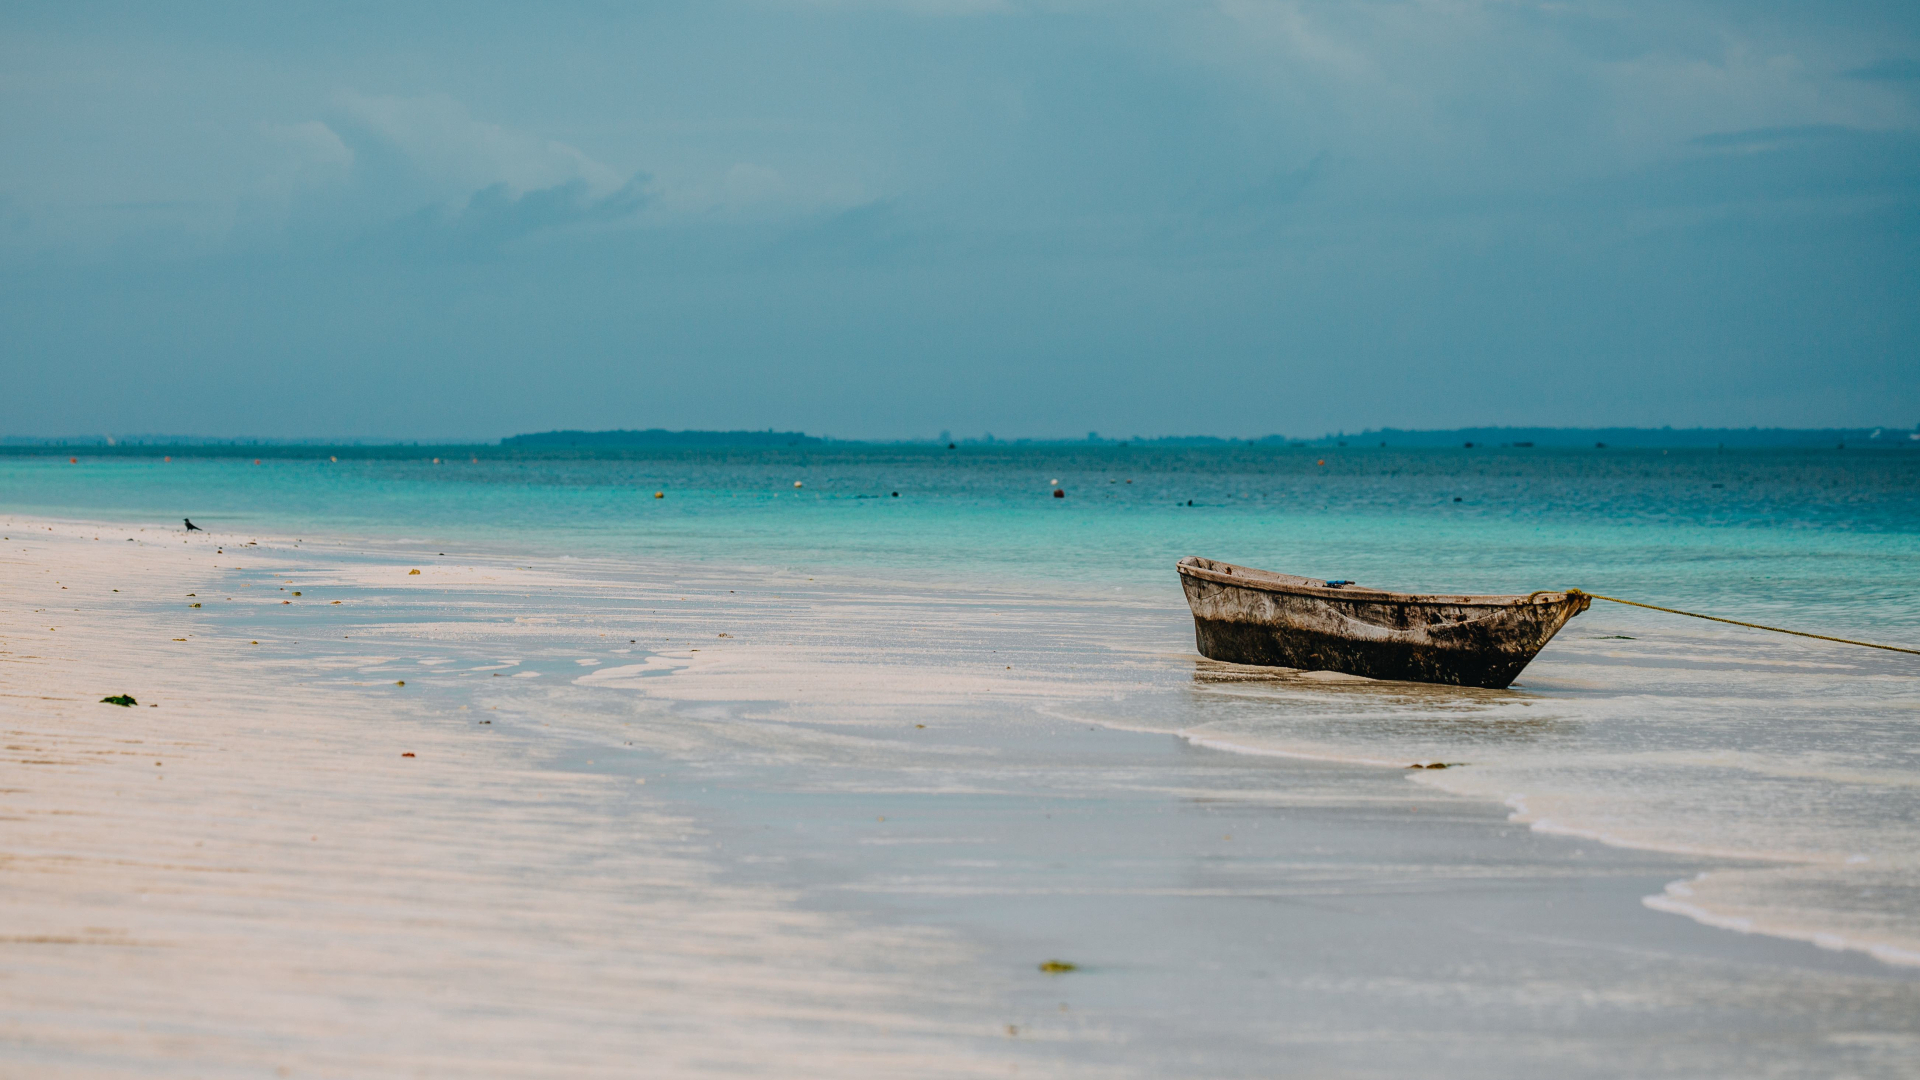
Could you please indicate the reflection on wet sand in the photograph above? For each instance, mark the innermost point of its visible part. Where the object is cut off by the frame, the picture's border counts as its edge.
(1321, 706)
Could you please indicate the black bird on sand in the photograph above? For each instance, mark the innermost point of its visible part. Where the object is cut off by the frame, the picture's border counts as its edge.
(191, 527)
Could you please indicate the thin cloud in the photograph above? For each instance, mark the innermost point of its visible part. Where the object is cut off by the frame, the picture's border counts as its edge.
(1901, 69)
(460, 154)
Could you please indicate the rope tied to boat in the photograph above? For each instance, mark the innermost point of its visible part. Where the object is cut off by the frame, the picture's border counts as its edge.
(1737, 622)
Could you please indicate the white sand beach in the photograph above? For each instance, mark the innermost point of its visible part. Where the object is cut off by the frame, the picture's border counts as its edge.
(738, 822)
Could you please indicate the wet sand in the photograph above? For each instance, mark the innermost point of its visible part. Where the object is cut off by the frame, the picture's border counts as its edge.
(624, 843)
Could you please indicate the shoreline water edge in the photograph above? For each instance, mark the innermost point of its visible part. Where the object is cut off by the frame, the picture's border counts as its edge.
(832, 824)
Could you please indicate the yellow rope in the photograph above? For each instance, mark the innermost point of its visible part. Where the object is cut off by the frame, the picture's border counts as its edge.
(1737, 622)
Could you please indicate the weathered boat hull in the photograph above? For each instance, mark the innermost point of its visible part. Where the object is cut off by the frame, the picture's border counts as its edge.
(1246, 616)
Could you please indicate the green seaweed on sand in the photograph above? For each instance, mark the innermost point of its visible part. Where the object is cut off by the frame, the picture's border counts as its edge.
(1058, 967)
(123, 700)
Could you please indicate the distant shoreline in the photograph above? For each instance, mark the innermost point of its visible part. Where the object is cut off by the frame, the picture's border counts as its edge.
(570, 443)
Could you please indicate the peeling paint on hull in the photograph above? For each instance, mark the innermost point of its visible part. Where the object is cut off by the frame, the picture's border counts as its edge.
(1247, 616)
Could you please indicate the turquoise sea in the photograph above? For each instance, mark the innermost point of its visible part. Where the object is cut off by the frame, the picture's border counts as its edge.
(1821, 536)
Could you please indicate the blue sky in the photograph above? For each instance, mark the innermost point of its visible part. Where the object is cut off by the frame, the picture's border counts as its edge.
(885, 219)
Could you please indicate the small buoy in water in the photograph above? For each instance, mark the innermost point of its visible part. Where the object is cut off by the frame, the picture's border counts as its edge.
(659, 494)
(436, 461)
(796, 483)
(896, 494)
(168, 458)
(256, 461)
(73, 461)
(335, 460)
(1322, 461)
(1059, 493)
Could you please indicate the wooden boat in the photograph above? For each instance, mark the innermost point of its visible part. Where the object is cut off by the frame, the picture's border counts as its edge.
(1246, 616)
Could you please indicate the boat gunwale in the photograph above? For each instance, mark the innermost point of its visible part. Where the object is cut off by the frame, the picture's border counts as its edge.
(1270, 581)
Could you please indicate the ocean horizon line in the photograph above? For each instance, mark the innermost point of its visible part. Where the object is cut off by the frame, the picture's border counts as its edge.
(136, 445)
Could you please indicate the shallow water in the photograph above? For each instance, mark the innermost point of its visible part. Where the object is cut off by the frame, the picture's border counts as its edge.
(1640, 729)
